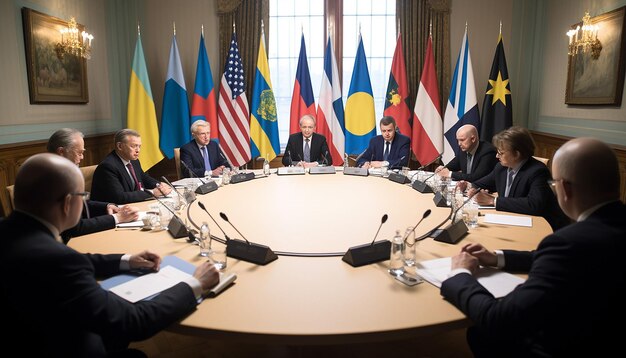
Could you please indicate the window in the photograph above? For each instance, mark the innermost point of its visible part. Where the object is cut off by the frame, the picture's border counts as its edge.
(289, 19)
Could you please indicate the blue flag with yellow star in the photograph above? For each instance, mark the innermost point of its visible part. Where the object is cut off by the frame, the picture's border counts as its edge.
(497, 111)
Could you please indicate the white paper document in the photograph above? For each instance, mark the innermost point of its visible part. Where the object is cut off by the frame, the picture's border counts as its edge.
(498, 282)
(526, 221)
(150, 284)
(134, 224)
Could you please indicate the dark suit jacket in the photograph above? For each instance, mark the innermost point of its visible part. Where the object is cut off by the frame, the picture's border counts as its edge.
(530, 193)
(400, 147)
(111, 182)
(99, 220)
(482, 164)
(571, 302)
(55, 306)
(319, 149)
(191, 155)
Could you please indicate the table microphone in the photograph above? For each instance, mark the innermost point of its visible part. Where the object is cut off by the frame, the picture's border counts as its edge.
(176, 227)
(201, 205)
(246, 250)
(421, 186)
(206, 187)
(174, 188)
(455, 231)
(426, 214)
(398, 177)
(369, 253)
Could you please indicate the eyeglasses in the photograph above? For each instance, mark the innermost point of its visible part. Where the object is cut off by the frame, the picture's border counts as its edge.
(552, 183)
(500, 152)
(85, 194)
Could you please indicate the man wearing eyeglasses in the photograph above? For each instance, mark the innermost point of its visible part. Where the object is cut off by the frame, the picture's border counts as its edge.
(119, 177)
(50, 294)
(573, 298)
(97, 215)
(202, 155)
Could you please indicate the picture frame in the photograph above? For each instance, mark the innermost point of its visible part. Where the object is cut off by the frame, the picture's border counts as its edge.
(600, 81)
(52, 78)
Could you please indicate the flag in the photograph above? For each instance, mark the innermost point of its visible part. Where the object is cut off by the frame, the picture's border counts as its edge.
(203, 102)
(427, 138)
(396, 104)
(360, 115)
(462, 107)
(264, 140)
(497, 110)
(175, 121)
(232, 109)
(302, 100)
(330, 122)
(141, 114)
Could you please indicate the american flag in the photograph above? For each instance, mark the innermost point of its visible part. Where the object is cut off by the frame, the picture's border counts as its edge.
(232, 112)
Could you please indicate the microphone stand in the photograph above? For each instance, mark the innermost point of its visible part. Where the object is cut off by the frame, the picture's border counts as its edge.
(176, 227)
(206, 187)
(375, 251)
(246, 250)
(455, 231)
(420, 185)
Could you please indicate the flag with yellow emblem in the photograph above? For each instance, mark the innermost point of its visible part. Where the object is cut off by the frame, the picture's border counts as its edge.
(497, 111)
(396, 101)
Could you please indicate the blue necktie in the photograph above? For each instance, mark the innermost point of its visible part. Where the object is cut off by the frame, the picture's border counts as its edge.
(205, 154)
(386, 153)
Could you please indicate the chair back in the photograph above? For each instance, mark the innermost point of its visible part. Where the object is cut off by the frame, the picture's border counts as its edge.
(177, 160)
(88, 175)
(11, 205)
(545, 161)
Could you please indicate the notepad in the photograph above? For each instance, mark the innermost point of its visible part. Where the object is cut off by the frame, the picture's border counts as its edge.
(526, 221)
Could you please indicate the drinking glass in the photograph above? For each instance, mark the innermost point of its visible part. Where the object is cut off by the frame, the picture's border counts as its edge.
(204, 242)
(405, 171)
(226, 176)
(217, 256)
(470, 214)
(164, 214)
(410, 246)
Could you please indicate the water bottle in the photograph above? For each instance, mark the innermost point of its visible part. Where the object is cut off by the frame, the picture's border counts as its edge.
(396, 259)
(266, 166)
(346, 160)
(205, 240)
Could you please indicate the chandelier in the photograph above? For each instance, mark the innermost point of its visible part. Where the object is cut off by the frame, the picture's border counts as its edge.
(74, 42)
(584, 39)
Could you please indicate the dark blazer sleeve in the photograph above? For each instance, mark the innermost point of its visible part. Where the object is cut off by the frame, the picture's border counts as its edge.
(529, 192)
(190, 155)
(489, 181)
(369, 153)
(290, 155)
(454, 166)
(319, 150)
(88, 226)
(484, 162)
(110, 184)
(402, 148)
(148, 181)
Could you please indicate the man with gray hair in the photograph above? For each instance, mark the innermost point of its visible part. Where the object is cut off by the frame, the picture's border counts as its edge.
(98, 216)
(119, 178)
(307, 148)
(50, 293)
(202, 155)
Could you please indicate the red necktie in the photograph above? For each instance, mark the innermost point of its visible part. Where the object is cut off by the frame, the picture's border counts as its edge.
(132, 173)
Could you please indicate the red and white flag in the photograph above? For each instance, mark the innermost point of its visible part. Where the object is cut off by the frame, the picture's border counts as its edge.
(232, 112)
(427, 138)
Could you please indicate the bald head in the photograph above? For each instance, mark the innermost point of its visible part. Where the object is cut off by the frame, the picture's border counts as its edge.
(590, 169)
(43, 183)
(467, 137)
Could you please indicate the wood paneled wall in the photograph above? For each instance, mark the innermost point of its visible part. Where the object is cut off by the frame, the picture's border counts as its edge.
(547, 144)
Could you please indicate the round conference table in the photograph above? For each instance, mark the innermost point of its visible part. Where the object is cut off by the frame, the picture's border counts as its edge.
(317, 300)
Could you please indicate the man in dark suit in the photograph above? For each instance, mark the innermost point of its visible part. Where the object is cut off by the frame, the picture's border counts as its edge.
(573, 300)
(50, 294)
(202, 155)
(520, 180)
(475, 160)
(390, 147)
(307, 148)
(119, 178)
(98, 215)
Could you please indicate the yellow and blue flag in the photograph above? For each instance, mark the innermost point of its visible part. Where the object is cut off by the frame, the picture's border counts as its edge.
(141, 114)
(264, 140)
(359, 113)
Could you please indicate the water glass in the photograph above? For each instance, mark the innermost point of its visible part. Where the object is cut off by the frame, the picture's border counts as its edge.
(217, 256)
(166, 215)
(226, 176)
(384, 168)
(405, 171)
(470, 214)
(410, 247)
(204, 241)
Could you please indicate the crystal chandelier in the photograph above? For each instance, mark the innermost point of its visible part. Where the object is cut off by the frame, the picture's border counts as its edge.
(584, 39)
(74, 42)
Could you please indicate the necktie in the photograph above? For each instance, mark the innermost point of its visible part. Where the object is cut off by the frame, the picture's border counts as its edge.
(509, 182)
(205, 154)
(131, 170)
(469, 163)
(307, 150)
(386, 153)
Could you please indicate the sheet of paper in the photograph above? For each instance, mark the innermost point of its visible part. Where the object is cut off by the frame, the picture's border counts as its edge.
(498, 282)
(133, 224)
(526, 221)
(481, 207)
(150, 284)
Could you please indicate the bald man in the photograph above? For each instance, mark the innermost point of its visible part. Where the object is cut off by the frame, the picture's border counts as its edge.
(307, 148)
(99, 215)
(573, 298)
(49, 292)
(475, 160)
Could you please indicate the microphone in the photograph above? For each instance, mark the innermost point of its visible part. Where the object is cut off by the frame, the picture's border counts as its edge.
(201, 205)
(424, 216)
(176, 227)
(325, 157)
(206, 187)
(290, 159)
(455, 231)
(421, 186)
(247, 251)
(188, 199)
(398, 177)
(360, 155)
(369, 253)
(357, 169)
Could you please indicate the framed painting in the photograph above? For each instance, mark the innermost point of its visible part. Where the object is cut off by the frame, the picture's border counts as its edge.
(600, 81)
(53, 77)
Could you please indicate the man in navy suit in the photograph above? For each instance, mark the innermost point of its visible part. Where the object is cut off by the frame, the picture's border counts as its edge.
(520, 180)
(202, 155)
(50, 293)
(390, 147)
(573, 299)
(297, 153)
(476, 159)
(119, 177)
(98, 216)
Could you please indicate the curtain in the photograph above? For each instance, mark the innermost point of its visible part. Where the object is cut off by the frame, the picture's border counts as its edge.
(414, 18)
(246, 15)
